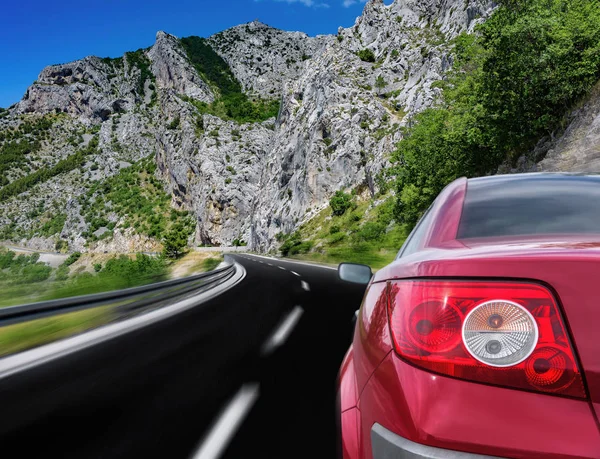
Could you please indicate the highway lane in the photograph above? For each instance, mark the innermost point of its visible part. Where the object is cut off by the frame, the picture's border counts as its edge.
(156, 392)
(295, 414)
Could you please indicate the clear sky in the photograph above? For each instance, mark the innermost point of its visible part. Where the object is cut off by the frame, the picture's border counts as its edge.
(36, 33)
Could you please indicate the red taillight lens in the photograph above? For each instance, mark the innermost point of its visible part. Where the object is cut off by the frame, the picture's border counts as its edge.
(508, 334)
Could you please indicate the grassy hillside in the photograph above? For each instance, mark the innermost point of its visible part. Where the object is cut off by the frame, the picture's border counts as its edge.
(360, 231)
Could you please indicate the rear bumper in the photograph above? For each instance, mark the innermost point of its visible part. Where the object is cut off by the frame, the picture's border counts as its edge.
(388, 445)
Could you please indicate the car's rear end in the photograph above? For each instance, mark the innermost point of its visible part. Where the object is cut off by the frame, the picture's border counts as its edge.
(481, 338)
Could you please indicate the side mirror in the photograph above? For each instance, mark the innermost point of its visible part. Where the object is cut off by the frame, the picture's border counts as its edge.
(355, 273)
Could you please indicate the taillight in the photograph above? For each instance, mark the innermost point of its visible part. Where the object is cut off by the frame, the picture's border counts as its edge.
(507, 334)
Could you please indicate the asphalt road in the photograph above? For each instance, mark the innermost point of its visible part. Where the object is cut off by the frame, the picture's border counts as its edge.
(273, 343)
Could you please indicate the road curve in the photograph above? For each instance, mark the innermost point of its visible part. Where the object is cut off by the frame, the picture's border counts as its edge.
(249, 373)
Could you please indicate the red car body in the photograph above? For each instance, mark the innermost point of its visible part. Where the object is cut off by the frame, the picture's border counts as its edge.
(390, 406)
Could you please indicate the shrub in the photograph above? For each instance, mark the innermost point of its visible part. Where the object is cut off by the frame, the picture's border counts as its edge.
(380, 83)
(62, 273)
(72, 258)
(370, 231)
(340, 203)
(366, 55)
(6, 258)
(174, 124)
(37, 272)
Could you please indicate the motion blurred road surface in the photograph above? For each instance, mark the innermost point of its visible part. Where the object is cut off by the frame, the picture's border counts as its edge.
(164, 391)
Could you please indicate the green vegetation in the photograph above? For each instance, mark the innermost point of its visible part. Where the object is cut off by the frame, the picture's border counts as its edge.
(54, 225)
(20, 337)
(46, 283)
(137, 195)
(174, 124)
(232, 103)
(211, 263)
(515, 81)
(140, 60)
(366, 55)
(176, 239)
(340, 202)
(363, 234)
(21, 269)
(72, 258)
(118, 272)
(73, 162)
(13, 154)
(380, 84)
(22, 142)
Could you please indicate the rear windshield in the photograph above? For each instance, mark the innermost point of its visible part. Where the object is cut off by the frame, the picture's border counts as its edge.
(532, 204)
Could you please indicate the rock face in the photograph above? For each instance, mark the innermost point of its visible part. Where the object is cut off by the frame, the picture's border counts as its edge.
(578, 149)
(343, 100)
(263, 58)
(90, 89)
(337, 127)
(173, 69)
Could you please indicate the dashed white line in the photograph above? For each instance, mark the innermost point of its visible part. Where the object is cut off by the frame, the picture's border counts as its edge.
(314, 265)
(281, 267)
(283, 331)
(305, 286)
(295, 273)
(228, 423)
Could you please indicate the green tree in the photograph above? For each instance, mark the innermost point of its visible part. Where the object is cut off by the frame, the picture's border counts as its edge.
(175, 241)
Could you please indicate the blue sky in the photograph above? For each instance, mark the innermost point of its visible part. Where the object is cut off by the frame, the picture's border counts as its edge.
(38, 33)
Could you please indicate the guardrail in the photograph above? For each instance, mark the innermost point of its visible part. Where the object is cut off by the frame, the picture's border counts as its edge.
(130, 301)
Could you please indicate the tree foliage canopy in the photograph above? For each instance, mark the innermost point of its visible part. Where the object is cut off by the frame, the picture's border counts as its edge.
(514, 81)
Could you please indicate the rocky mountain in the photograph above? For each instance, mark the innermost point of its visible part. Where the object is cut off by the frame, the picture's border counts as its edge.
(249, 132)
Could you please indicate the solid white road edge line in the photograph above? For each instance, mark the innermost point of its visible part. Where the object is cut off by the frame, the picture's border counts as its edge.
(228, 423)
(305, 286)
(43, 354)
(283, 331)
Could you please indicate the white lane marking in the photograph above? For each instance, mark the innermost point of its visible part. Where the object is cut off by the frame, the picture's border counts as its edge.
(53, 351)
(228, 423)
(281, 267)
(305, 286)
(283, 331)
(295, 273)
(269, 264)
(281, 260)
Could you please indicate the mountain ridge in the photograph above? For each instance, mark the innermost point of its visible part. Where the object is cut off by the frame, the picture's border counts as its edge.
(241, 180)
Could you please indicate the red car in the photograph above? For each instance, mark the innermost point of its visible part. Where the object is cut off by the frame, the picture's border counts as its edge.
(482, 338)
